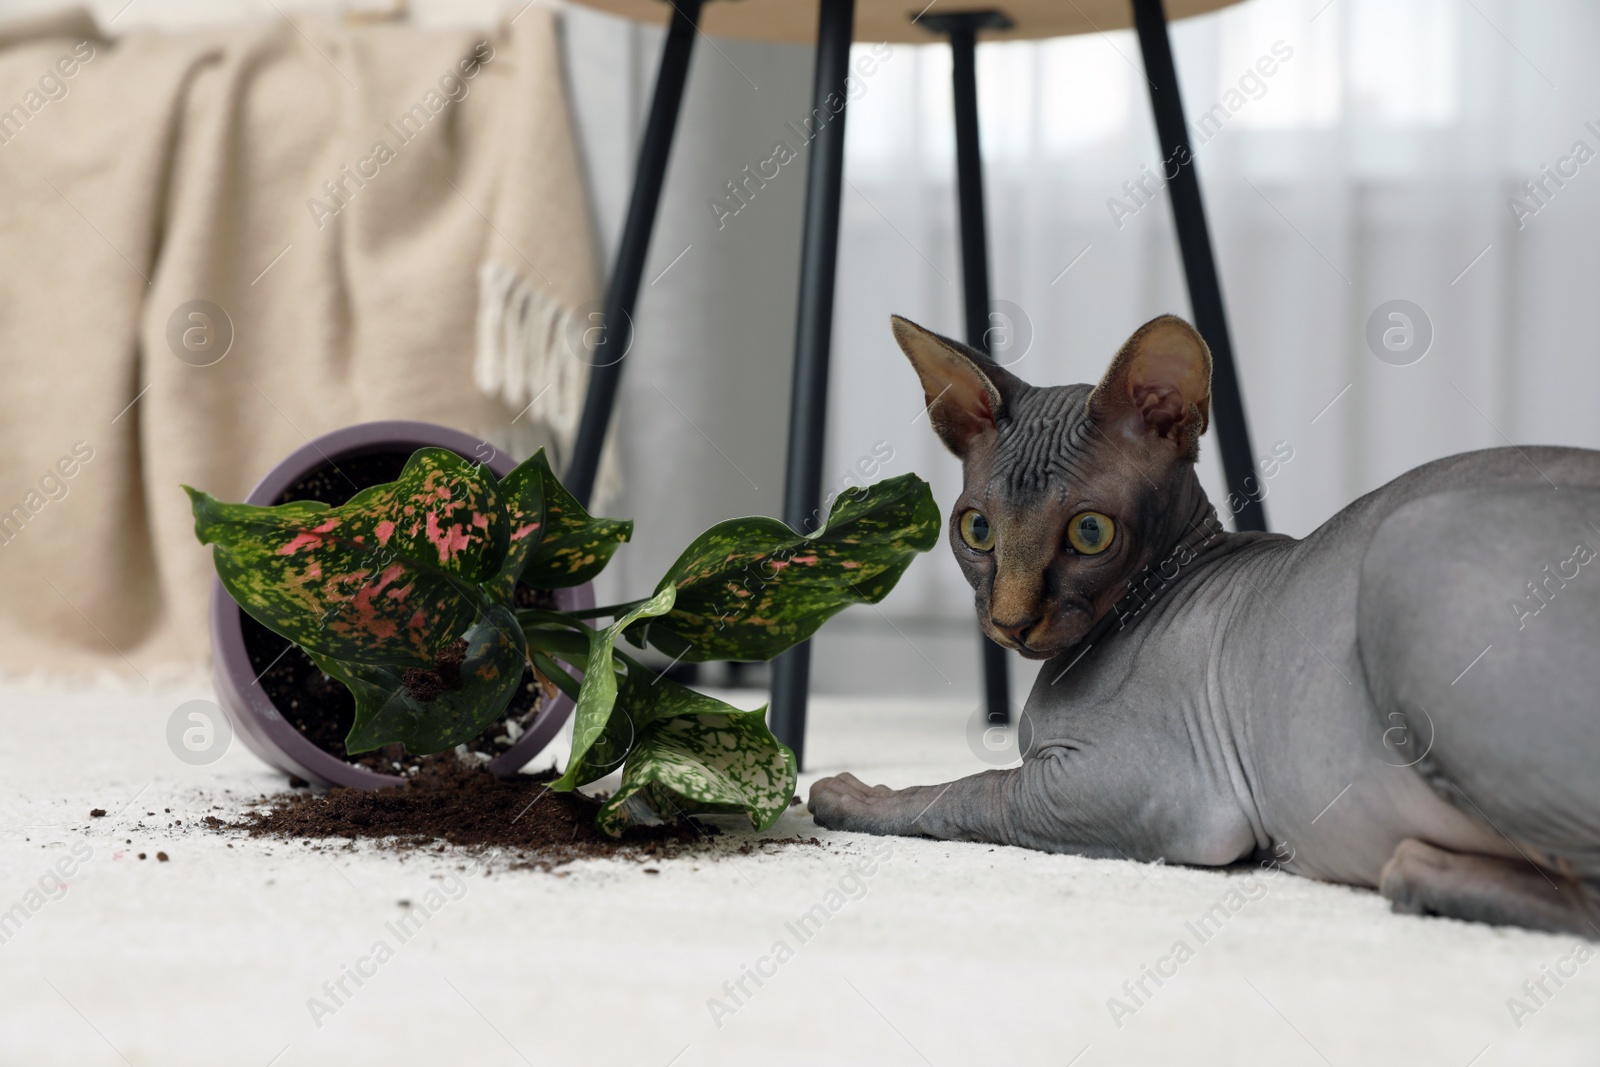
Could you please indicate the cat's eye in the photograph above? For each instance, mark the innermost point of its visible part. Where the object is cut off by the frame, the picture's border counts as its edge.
(976, 531)
(1091, 532)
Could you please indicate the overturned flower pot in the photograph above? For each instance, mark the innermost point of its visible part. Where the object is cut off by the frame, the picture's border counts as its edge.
(286, 709)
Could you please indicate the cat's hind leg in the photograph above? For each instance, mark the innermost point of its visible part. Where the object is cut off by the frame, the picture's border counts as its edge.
(1420, 879)
(1479, 625)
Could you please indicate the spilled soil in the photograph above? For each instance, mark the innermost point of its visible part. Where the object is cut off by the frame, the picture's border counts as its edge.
(453, 804)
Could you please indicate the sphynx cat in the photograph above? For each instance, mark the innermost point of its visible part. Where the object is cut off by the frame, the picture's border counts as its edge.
(1407, 699)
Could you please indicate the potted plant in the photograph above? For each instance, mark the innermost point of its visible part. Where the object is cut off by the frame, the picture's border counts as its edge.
(287, 712)
(419, 595)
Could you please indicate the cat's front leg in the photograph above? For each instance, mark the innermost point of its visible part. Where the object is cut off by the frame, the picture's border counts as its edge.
(1037, 805)
(967, 807)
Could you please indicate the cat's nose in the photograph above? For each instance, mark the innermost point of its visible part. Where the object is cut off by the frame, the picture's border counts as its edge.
(1015, 630)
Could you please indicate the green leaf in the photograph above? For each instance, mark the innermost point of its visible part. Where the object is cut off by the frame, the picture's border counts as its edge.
(749, 589)
(430, 711)
(522, 495)
(598, 697)
(387, 578)
(711, 762)
(642, 697)
(573, 547)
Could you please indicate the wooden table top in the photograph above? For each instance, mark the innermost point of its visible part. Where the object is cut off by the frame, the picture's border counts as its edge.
(795, 21)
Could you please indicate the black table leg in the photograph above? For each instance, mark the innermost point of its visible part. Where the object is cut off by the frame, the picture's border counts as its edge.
(622, 291)
(808, 402)
(1199, 263)
(962, 29)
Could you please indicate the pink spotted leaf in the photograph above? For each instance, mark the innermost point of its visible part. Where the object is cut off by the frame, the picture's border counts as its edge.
(389, 577)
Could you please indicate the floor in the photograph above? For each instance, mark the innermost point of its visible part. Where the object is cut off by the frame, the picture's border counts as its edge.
(922, 953)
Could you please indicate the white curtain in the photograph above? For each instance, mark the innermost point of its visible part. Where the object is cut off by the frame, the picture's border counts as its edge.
(1356, 152)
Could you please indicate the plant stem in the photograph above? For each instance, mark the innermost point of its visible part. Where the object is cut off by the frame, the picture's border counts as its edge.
(537, 619)
(613, 610)
(562, 643)
(550, 669)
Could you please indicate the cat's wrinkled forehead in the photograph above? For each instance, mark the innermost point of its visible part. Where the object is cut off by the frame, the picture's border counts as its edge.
(1045, 439)
(1034, 443)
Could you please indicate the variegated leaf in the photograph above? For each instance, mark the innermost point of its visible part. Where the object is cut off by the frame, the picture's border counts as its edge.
(522, 496)
(643, 696)
(703, 763)
(573, 546)
(438, 708)
(598, 697)
(387, 578)
(749, 589)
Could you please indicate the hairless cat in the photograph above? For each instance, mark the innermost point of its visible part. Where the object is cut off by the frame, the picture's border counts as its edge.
(1409, 698)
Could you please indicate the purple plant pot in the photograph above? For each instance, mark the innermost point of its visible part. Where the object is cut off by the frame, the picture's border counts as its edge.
(254, 717)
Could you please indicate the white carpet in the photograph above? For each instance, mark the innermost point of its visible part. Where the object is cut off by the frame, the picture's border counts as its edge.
(946, 955)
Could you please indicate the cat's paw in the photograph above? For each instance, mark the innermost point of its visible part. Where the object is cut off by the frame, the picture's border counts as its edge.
(1406, 876)
(845, 802)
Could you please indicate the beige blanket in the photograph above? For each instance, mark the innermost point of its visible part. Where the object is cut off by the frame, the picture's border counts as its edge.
(392, 223)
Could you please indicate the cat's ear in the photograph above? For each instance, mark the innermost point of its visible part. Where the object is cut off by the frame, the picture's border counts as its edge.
(966, 394)
(1159, 384)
